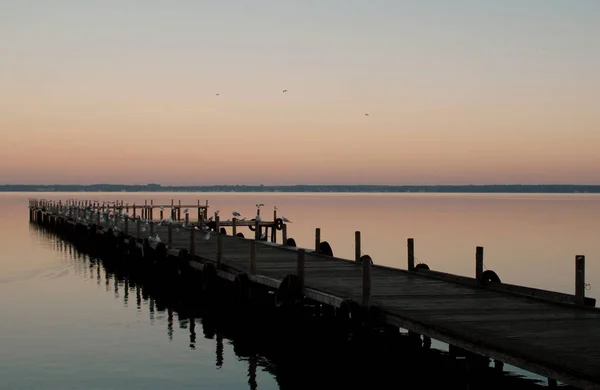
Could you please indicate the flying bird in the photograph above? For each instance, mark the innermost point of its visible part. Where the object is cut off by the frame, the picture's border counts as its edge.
(236, 214)
(367, 114)
(285, 90)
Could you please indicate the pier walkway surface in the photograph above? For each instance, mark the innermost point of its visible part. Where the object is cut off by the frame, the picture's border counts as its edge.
(551, 334)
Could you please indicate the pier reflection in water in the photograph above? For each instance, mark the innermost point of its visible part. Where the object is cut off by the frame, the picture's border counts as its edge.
(309, 352)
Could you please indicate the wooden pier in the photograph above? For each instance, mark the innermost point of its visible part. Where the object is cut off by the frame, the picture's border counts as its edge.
(552, 334)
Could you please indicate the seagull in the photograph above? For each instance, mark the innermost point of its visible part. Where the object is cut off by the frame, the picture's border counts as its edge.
(275, 207)
(285, 90)
(259, 205)
(284, 219)
(217, 95)
(367, 114)
(236, 214)
(186, 211)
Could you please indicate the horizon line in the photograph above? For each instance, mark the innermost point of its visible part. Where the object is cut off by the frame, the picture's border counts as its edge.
(297, 185)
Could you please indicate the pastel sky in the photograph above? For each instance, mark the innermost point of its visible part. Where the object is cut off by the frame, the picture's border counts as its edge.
(459, 92)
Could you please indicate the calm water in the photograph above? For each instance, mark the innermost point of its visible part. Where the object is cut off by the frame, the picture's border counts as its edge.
(67, 323)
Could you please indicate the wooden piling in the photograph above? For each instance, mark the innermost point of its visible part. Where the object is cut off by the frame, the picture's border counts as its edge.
(317, 238)
(580, 279)
(300, 268)
(233, 226)
(357, 251)
(411, 253)
(256, 231)
(366, 281)
(284, 234)
(219, 240)
(479, 264)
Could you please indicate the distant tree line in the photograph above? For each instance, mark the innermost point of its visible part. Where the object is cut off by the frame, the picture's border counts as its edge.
(497, 188)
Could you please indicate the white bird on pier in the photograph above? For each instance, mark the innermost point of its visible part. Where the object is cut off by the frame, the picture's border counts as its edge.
(186, 211)
(258, 218)
(284, 219)
(216, 212)
(259, 205)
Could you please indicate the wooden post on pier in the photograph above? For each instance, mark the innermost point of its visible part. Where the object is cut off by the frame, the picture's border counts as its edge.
(580, 279)
(274, 229)
(253, 257)
(479, 264)
(300, 268)
(161, 214)
(256, 230)
(233, 226)
(179, 211)
(284, 234)
(411, 254)
(133, 211)
(192, 248)
(145, 210)
(357, 250)
(170, 235)
(317, 239)
(199, 213)
(219, 240)
(187, 219)
(151, 209)
(366, 281)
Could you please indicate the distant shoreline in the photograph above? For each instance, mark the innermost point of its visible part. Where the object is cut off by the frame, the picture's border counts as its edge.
(476, 189)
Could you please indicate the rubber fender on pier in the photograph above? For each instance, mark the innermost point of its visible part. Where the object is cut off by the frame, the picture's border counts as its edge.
(223, 231)
(290, 242)
(422, 266)
(279, 224)
(240, 234)
(209, 276)
(366, 257)
(288, 291)
(325, 249)
(252, 227)
(489, 276)
(242, 289)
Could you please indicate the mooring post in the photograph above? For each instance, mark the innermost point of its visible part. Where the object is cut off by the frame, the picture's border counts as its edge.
(411, 254)
(274, 232)
(233, 226)
(179, 211)
(317, 239)
(256, 230)
(357, 250)
(133, 210)
(219, 240)
(300, 268)
(479, 264)
(284, 234)
(151, 209)
(253, 257)
(145, 210)
(366, 282)
(138, 228)
(161, 213)
(187, 218)
(192, 248)
(580, 279)
(170, 235)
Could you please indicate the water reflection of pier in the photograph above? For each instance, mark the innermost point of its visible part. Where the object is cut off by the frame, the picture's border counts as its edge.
(295, 362)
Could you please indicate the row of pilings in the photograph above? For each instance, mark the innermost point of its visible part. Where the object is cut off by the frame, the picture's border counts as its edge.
(297, 336)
